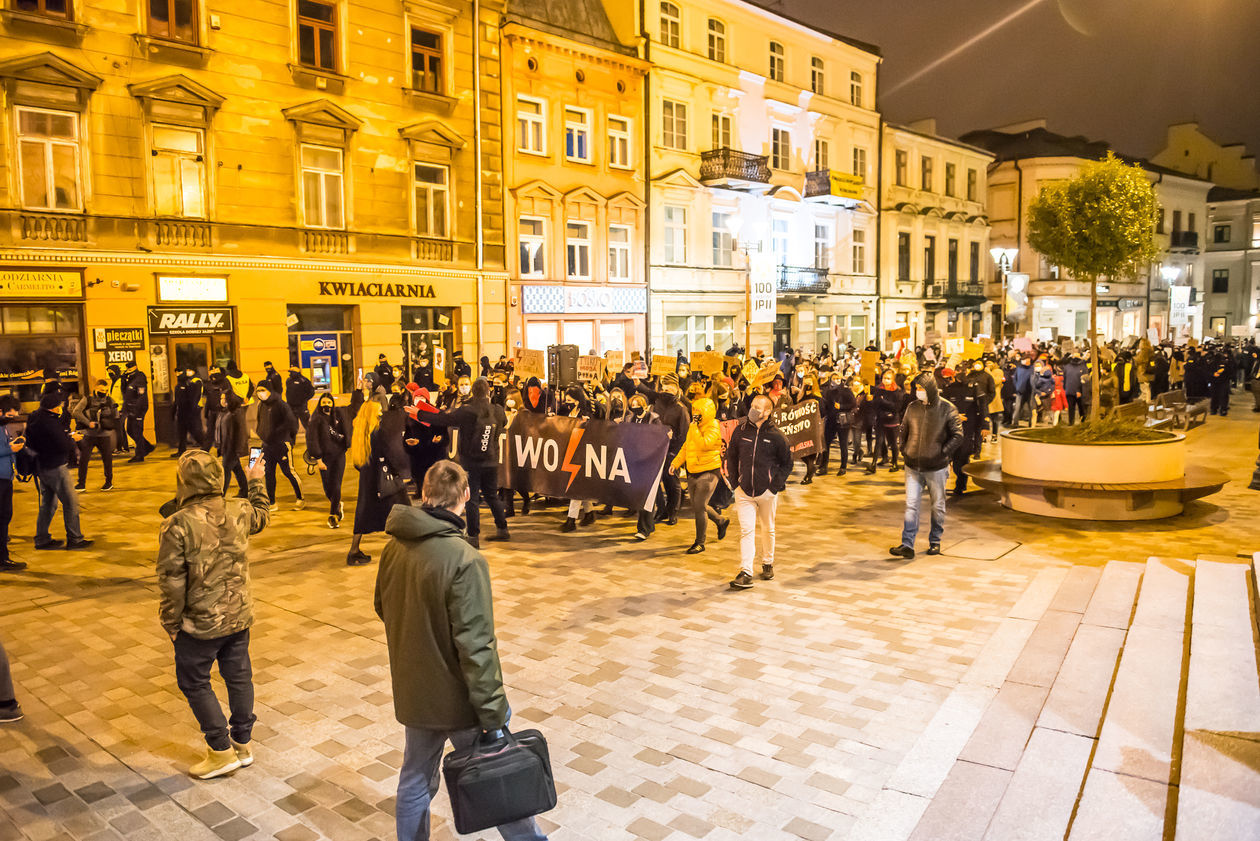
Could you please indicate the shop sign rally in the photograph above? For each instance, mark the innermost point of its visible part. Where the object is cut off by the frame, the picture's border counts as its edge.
(182, 321)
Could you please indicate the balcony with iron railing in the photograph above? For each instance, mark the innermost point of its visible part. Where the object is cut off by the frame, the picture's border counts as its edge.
(735, 170)
(959, 293)
(804, 280)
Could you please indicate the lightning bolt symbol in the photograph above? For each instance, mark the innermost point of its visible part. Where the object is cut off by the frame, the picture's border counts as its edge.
(567, 466)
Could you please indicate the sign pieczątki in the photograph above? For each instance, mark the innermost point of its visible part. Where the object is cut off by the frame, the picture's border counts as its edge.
(184, 321)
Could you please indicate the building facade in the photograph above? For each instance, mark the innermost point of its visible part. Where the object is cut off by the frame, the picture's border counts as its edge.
(1231, 264)
(934, 235)
(762, 144)
(295, 182)
(573, 175)
(1041, 300)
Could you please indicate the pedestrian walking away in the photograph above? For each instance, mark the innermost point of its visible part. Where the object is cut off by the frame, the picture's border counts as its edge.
(206, 607)
(931, 432)
(51, 444)
(433, 595)
(758, 462)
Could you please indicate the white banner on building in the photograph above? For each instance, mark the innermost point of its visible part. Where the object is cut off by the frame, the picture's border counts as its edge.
(1179, 306)
(764, 290)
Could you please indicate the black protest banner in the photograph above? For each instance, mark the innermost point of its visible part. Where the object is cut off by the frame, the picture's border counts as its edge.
(576, 458)
(802, 426)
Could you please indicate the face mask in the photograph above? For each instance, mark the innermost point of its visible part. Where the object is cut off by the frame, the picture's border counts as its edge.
(636, 410)
(921, 395)
(568, 405)
(465, 389)
(511, 404)
(756, 414)
(616, 405)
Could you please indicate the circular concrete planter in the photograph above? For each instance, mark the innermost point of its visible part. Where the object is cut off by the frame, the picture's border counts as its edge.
(1120, 463)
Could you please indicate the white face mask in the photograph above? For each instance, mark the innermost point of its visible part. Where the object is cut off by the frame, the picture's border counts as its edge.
(921, 395)
(464, 389)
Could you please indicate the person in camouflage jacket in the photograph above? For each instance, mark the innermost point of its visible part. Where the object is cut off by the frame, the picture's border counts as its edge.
(206, 608)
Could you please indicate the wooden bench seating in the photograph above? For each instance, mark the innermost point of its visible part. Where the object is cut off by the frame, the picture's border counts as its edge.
(1172, 405)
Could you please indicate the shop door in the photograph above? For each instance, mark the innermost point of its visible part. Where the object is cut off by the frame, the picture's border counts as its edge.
(782, 333)
(190, 352)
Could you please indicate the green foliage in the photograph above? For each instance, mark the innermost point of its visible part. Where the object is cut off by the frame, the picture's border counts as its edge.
(1108, 430)
(1099, 224)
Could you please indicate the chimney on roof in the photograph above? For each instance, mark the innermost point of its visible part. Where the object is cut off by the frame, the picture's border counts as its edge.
(1019, 128)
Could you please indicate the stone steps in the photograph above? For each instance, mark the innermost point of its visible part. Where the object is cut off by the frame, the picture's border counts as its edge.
(1131, 711)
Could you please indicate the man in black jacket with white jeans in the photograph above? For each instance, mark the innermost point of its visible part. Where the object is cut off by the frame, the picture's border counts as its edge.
(931, 432)
(758, 461)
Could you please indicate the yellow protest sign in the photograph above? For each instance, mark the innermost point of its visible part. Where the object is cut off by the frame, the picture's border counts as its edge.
(972, 350)
(769, 370)
(870, 367)
(615, 360)
(899, 334)
(662, 365)
(530, 363)
(750, 370)
(706, 362)
(590, 367)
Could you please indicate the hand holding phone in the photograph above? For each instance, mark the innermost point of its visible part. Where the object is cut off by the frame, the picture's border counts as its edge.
(257, 463)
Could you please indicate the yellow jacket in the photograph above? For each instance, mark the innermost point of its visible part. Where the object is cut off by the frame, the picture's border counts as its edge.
(702, 449)
(242, 386)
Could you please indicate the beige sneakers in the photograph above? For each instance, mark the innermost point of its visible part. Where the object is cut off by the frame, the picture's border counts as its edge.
(216, 764)
(244, 753)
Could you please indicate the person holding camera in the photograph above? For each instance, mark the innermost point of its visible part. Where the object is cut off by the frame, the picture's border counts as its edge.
(97, 416)
(11, 443)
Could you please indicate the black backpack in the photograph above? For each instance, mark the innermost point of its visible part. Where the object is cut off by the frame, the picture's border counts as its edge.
(25, 464)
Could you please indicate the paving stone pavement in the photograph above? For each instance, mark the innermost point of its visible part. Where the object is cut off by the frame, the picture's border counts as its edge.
(675, 709)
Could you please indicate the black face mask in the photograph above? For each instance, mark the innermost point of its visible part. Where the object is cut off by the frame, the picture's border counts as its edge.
(326, 408)
(637, 411)
(568, 405)
(617, 406)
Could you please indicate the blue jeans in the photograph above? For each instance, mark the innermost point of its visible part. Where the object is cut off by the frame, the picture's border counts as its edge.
(418, 782)
(54, 486)
(916, 481)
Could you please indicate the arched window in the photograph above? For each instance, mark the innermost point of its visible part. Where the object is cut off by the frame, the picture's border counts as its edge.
(776, 61)
(671, 25)
(717, 40)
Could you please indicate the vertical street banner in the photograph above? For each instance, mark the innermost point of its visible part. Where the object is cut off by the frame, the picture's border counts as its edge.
(577, 458)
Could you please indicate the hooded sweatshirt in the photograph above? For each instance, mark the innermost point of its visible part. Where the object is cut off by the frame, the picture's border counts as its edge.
(202, 571)
(931, 432)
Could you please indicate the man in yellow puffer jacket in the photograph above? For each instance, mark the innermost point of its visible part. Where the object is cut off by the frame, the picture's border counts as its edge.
(701, 454)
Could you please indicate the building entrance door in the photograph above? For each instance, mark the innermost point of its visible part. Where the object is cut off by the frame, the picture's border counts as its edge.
(190, 352)
(782, 333)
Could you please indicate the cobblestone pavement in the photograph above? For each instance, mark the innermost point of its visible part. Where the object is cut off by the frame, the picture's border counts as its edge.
(675, 709)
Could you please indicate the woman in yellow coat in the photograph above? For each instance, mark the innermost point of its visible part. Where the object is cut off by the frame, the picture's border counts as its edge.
(701, 455)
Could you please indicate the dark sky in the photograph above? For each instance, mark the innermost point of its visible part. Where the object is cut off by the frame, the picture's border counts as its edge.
(1115, 70)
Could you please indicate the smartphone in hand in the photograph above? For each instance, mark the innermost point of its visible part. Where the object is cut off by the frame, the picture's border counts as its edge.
(255, 453)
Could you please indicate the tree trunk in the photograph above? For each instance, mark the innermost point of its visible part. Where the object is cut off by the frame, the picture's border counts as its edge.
(1095, 412)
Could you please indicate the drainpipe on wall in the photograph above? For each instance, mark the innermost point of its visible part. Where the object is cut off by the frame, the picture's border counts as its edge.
(878, 334)
(478, 201)
(647, 181)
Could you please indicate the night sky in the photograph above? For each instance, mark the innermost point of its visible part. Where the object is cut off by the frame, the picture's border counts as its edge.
(1115, 70)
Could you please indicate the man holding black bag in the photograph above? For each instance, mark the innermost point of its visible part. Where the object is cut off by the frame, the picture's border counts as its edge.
(433, 594)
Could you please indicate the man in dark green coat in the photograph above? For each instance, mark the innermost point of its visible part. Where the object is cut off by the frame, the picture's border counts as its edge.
(433, 594)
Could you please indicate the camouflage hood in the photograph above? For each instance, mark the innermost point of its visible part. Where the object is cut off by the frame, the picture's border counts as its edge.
(199, 475)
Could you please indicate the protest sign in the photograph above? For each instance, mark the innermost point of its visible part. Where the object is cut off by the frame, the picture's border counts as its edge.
(972, 350)
(439, 364)
(530, 363)
(1024, 344)
(899, 334)
(639, 370)
(929, 354)
(750, 369)
(663, 365)
(801, 425)
(954, 345)
(590, 367)
(615, 360)
(870, 367)
(768, 371)
(706, 362)
(577, 458)
(1152, 334)
(986, 342)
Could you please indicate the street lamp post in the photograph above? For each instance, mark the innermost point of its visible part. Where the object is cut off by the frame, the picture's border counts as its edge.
(1005, 259)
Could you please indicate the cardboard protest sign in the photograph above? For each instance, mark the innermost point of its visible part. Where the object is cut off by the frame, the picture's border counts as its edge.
(929, 354)
(769, 370)
(986, 342)
(663, 365)
(530, 363)
(750, 370)
(733, 365)
(1024, 344)
(590, 367)
(870, 367)
(954, 345)
(1152, 334)
(615, 360)
(899, 334)
(972, 350)
(955, 359)
(577, 458)
(706, 362)
(439, 364)
(639, 371)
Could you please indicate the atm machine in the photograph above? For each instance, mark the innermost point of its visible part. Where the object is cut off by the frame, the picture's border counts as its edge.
(321, 368)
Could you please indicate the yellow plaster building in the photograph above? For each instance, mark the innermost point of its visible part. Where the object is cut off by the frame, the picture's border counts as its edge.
(281, 181)
(573, 165)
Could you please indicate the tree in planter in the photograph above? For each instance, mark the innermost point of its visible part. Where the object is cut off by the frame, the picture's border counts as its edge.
(1100, 224)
